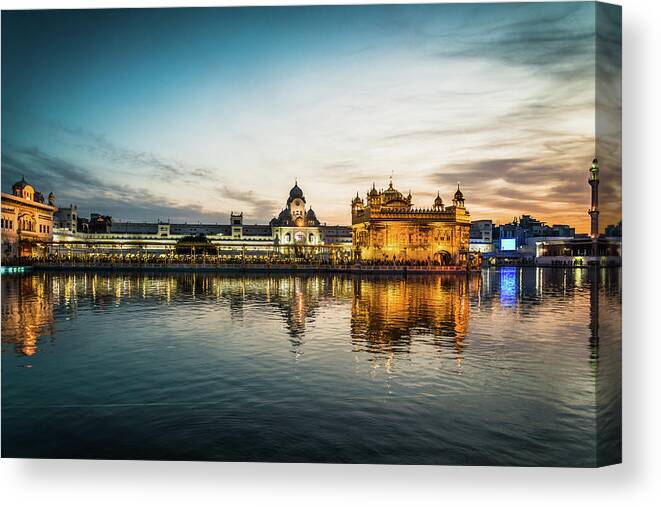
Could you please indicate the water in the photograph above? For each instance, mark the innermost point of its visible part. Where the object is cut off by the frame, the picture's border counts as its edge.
(513, 367)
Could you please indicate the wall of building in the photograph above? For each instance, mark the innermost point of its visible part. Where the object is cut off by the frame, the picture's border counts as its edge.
(25, 224)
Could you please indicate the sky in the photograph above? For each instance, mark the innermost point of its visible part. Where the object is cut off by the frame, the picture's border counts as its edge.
(188, 114)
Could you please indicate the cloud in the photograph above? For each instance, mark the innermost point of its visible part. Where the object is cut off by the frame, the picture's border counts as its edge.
(92, 194)
(499, 97)
(99, 146)
(261, 208)
(554, 188)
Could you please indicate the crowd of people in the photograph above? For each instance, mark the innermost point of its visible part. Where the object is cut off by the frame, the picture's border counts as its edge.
(111, 259)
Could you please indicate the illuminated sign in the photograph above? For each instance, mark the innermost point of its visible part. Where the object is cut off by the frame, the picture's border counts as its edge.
(508, 244)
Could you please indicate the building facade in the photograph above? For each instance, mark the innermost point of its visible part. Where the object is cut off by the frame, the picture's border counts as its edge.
(481, 236)
(296, 224)
(387, 228)
(66, 218)
(27, 222)
(295, 231)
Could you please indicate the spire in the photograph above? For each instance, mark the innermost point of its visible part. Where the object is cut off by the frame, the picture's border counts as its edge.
(594, 170)
(594, 208)
(458, 196)
(438, 202)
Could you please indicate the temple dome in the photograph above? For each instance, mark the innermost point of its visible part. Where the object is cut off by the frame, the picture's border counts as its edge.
(311, 218)
(284, 218)
(21, 184)
(295, 193)
(392, 195)
(458, 196)
(438, 202)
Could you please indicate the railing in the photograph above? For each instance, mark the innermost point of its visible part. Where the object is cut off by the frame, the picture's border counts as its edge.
(204, 266)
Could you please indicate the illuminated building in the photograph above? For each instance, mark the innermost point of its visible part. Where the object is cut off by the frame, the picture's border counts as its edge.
(66, 218)
(481, 236)
(386, 227)
(296, 231)
(27, 221)
(295, 224)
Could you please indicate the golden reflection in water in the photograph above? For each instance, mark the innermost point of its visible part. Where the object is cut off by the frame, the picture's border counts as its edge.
(27, 313)
(387, 314)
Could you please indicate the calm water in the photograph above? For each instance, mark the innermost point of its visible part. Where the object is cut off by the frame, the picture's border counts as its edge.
(513, 367)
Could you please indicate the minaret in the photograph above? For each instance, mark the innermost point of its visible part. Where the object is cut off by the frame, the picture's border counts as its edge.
(594, 208)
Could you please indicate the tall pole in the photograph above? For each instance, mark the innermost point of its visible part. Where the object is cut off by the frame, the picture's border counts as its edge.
(594, 208)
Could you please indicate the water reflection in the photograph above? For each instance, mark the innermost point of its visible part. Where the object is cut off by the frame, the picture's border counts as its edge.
(514, 366)
(508, 286)
(387, 315)
(27, 312)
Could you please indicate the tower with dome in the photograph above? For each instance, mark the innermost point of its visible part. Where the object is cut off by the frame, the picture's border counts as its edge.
(296, 224)
(387, 227)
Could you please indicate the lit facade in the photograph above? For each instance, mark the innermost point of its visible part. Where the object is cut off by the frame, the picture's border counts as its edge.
(386, 227)
(296, 224)
(27, 221)
(295, 231)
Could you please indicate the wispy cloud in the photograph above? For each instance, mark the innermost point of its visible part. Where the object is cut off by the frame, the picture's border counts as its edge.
(258, 207)
(500, 97)
(92, 193)
(98, 145)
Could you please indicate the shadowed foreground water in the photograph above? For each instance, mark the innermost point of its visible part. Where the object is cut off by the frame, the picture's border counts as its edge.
(514, 367)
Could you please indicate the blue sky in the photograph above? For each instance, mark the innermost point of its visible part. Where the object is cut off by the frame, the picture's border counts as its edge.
(187, 114)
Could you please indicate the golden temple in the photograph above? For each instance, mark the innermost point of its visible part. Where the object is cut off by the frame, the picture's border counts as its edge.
(387, 228)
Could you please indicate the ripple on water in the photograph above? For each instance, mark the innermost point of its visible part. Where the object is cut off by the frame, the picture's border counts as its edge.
(497, 369)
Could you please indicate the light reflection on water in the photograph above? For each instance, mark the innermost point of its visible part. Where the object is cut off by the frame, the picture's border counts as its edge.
(518, 366)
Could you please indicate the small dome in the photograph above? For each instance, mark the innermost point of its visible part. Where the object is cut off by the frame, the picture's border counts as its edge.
(20, 184)
(296, 193)
(311, 217)
(391, 194)
(357, 199)
(283, 218)
(458, 196)
(373, 191)
(438, 202)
